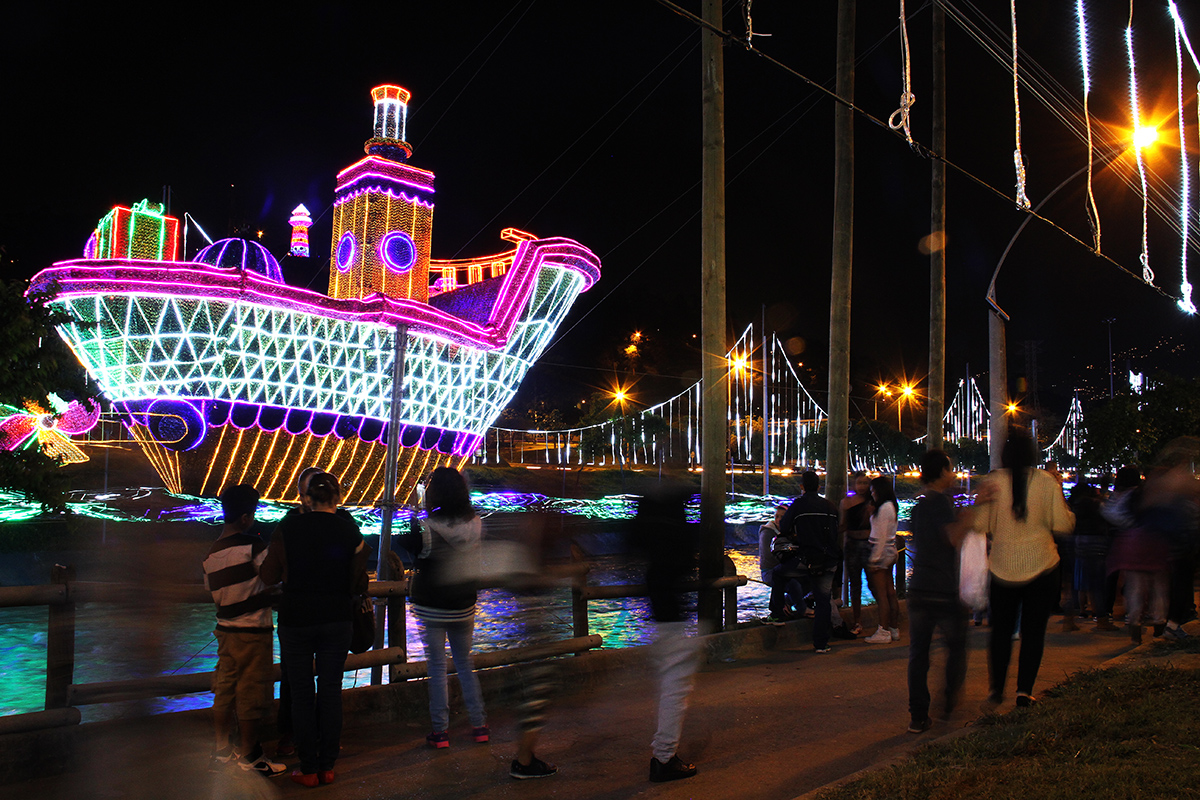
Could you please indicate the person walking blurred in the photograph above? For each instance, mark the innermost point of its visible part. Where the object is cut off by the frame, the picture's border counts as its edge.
(322, 561)
(1022, 509)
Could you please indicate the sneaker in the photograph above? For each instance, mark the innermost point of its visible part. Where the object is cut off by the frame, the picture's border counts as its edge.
(675, 769)
(220, 759)
(481, 734)
(857, 629)
(1026, 701)
(1177, 633)
(438, 740)
(536, 768)
(895, 632)
(257, 761)
(881, 636)
(920, 725)
(821, 650)
(773, 620)
(842, 632)
(325, 776)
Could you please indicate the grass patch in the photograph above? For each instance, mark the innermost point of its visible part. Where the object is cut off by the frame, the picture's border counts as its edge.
(1117, 733)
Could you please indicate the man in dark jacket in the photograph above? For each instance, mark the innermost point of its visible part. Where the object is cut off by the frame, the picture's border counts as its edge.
(812, 523)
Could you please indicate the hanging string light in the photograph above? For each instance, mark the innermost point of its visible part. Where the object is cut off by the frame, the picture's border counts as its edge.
(1093, 212)
(1144, 258)
(1181, 39)
(900, 117)
(1018, 158)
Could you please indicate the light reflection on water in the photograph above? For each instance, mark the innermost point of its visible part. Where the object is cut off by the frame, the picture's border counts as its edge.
(114, 642)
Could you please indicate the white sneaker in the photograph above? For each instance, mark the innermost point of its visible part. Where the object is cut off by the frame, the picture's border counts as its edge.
(881, 636)
(895, 632)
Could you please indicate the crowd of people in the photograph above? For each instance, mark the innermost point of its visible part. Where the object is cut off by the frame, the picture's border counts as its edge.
(1045, 555)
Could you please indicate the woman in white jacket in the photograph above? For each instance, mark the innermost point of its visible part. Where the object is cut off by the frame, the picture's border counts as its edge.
(883, 558)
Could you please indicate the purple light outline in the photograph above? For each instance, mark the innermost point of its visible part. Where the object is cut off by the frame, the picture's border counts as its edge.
(386, 259)
(464, 442)
(343, 199)
(84, 277)
(404, 173)
(348, 236)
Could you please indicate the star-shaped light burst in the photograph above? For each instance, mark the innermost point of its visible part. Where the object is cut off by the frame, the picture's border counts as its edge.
(53, 428)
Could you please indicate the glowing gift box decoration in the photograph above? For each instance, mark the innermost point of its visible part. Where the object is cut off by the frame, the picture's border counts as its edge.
(225, 374)
(141, 232)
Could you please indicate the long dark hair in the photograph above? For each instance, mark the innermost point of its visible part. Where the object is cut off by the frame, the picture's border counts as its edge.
(1017, 457)
(324, 488)
(447, 495)
(882, 492)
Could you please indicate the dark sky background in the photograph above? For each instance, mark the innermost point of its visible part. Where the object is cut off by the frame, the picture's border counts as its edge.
(583, 120)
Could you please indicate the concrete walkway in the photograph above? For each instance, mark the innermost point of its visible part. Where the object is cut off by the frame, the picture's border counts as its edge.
(779, 724)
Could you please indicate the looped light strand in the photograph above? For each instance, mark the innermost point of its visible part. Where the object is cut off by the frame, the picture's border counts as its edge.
(1018, 159)
(900, 118)
(1093, 213)
(1144, 258)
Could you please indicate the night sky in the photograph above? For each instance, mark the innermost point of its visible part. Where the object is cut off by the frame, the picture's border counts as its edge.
(583, 120)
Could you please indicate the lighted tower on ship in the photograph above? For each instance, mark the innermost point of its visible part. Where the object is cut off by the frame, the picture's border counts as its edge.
(383, 213)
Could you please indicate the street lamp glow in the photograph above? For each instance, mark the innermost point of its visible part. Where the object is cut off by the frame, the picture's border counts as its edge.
(1144, 136)
(1012, 408)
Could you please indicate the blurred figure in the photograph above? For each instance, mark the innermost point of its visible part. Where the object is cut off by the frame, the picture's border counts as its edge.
(671, 546)
(772, 573)
(884, 520)
(322, 561)
(933, 594)
(855, 524)
(1177, 459)
(244, 629)
(445, 549)
(1093, 537)
(1023, 510)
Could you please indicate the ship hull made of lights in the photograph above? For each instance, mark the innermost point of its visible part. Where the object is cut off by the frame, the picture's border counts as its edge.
(195, 334)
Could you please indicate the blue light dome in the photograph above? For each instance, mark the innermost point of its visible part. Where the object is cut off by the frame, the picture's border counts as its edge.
(241, 254)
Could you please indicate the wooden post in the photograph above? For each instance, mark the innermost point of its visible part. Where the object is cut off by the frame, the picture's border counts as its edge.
(579, 608)
(60, 642)
(714, 440)
(837, 436)
(730, 596)
(936, 388)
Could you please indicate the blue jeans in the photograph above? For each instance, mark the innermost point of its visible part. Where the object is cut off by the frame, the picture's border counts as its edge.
(460, 635)
(925, 615)
(328, 643)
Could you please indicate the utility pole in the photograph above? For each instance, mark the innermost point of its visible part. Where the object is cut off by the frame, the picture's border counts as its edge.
(843, 261)
(937, 253)
(767, 352)
(714, 439)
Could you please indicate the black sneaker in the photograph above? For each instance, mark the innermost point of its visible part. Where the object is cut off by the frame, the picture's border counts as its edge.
(822, 649)
(842, 632)
(673, 770)
(536, 768)
(920, 725)
(1026, 701)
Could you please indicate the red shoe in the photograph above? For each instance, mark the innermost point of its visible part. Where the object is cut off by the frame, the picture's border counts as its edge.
(438, 740)
(309, 779)
(326, 776)
(481, 734)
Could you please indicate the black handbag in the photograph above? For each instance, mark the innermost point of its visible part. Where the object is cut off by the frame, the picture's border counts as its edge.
(362, 619)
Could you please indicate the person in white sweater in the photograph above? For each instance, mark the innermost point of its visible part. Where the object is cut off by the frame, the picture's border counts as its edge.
(883, 558)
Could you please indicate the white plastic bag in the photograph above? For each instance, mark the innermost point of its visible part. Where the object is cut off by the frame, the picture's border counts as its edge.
(973, 571)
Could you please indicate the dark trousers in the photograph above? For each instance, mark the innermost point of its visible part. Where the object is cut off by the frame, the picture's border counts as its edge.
(283, 721)
(328, 643)
(1181, 596)
(1033, 600)
(783, 581)
(926, 614)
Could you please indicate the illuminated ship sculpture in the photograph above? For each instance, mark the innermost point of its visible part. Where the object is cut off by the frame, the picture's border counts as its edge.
(225, 374)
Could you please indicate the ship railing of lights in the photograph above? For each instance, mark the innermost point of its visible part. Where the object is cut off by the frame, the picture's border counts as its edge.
(64, 696)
